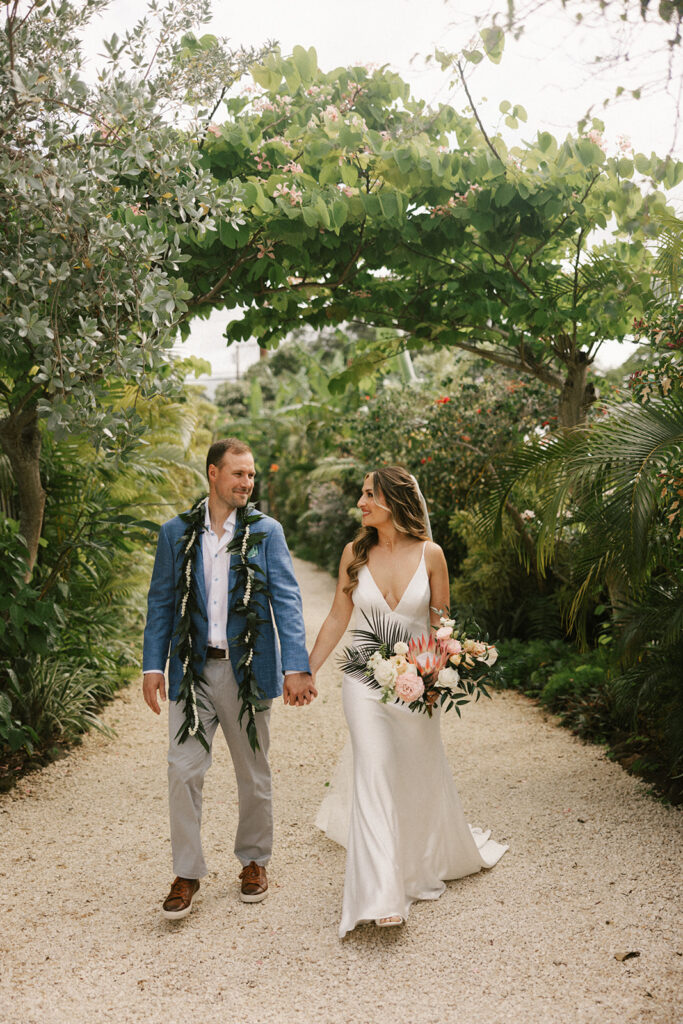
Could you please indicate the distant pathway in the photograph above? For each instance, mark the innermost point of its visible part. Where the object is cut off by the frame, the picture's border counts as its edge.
(593, 870)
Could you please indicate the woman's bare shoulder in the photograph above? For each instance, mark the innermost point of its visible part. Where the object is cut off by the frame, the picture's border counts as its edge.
(346, 557)
(434, 553)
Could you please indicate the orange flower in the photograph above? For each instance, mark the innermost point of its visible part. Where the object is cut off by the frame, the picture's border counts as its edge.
(274, 468)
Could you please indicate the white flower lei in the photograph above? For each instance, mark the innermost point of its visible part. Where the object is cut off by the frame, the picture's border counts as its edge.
(192, 725)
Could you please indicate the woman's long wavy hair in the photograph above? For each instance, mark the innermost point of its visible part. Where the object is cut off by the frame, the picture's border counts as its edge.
(395, 488)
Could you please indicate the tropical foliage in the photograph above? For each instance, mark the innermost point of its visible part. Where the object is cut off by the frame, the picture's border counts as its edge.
(70, 636)
(367, 206)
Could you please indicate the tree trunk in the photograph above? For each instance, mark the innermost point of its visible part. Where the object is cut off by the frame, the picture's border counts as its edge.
(21, 442)
(577, 394)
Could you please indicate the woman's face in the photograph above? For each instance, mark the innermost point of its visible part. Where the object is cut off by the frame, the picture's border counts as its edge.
(370, 503)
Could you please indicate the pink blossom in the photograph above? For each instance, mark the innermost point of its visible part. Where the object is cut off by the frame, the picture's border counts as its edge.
(136, 209)
(454, 647)
(215, 129)
(475, 648)
(409, 687)
(293, 167)
(331, 113)
(444, 633)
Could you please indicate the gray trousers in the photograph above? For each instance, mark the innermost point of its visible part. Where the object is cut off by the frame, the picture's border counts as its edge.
(188, 763)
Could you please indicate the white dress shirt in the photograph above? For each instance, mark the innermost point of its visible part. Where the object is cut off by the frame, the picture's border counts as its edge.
(216, 571)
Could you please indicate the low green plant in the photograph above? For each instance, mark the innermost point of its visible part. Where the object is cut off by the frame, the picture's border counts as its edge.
(56, 702)
(15, 736)
(568, 683)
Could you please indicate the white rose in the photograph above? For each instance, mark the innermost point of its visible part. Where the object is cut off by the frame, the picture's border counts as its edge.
(448, 677)
(400, 648)
(491, 656)
(385, 673)
(374, 660)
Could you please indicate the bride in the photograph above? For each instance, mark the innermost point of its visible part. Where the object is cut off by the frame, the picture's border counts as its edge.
(393, 803)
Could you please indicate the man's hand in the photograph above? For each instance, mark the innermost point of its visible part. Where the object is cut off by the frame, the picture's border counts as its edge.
(153, 684)
(299, 689)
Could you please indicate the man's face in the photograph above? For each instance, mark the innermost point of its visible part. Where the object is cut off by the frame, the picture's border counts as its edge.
(232, 481)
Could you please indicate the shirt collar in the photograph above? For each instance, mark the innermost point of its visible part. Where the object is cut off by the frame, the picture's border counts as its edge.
(228, 525)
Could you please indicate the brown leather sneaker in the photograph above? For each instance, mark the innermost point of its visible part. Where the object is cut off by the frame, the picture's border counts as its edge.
(254, 883)
(178, 903)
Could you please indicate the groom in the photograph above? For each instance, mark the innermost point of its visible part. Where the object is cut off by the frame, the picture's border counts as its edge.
(211, 587)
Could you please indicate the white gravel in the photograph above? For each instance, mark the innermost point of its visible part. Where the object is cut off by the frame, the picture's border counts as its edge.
(594, 870)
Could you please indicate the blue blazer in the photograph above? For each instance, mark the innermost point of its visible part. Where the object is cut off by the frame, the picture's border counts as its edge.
(163, 610)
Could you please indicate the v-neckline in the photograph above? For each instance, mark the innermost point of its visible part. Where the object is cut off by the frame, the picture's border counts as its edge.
(408, 585)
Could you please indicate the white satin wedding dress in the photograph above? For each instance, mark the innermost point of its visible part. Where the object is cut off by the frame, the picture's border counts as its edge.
(392, 802)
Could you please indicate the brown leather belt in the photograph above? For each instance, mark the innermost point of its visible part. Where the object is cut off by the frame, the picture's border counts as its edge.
(218, 652)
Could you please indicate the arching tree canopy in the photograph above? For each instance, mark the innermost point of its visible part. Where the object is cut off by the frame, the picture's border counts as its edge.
(366, 205)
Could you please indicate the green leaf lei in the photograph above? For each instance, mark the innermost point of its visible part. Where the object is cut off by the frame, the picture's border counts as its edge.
(251, 580)
(249, 576)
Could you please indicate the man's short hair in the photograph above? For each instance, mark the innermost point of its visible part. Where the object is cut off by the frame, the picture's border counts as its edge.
(218, 449)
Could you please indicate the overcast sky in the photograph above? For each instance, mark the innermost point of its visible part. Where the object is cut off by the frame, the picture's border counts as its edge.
(548, 70)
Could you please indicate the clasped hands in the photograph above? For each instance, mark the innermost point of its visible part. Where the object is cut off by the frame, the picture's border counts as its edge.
(299, 689)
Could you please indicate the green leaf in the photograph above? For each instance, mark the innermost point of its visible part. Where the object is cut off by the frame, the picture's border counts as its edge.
(311, 216)
(323, 212)
(306, 62)
(292, 76)
(494, 42)
(268, 78)
(349, 174)
(504, 193)
(329, 173)
(389, 205)
(545, 141)
(473, 56)
(339, 214)
(643, 163)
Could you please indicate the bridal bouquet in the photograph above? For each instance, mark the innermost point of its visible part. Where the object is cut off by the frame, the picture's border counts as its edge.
(446, 669)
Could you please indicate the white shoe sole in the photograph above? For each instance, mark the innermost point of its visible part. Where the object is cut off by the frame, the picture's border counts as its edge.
(246, 898)
(389, 924)
(178, 915)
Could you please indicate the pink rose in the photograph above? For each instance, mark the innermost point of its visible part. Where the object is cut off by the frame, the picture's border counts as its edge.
(444, 633)
(409, 687)
(454, 647)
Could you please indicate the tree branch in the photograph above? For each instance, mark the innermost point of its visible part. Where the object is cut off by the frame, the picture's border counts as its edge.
(476, 113)
(231, 270)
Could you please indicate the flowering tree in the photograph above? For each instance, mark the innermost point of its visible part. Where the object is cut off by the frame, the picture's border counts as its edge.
(368, 206)
(99, 190)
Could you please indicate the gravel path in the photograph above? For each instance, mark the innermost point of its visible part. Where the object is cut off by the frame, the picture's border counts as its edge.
(593, 871)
